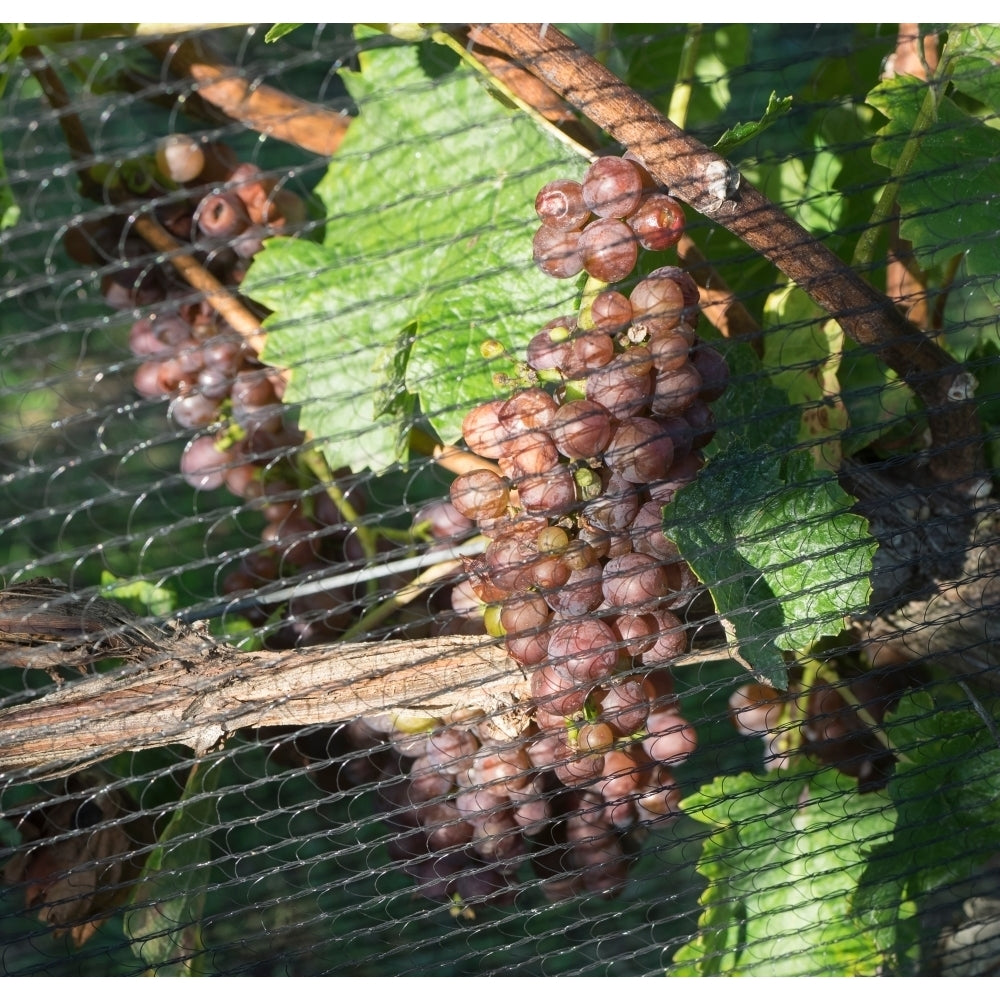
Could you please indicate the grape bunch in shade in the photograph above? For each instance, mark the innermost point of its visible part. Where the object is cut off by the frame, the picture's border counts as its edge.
(828, 721)
(242, 436)
(474, 812)
(578, 579)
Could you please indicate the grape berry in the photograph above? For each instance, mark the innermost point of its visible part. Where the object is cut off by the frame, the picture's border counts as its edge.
(630, 212)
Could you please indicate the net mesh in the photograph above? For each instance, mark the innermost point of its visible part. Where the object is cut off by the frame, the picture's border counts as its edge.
(271, 706)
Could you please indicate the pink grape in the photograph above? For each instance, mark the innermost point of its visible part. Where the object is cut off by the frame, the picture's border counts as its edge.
(612, 187)
(608, 250)
(560, 204)
(203, 465)
(558, 252)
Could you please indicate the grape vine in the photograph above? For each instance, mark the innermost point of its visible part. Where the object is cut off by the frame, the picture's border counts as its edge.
(634, 484)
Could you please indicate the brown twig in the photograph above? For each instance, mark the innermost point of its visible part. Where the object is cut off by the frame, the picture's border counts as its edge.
(198, 691)
(225, 303)
(72, 128)
(708, 183)
(197, 276)
(718, 304)
(258, 106)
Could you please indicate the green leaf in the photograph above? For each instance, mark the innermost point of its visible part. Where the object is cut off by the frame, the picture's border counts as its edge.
(743, 132)
(806, 187)
(277, 31)
(140, 596)
(9, 50)
(882, 905)
(782, 860)
(946, 791)
(427, 253)
(947, 193)
(973, 60)
(984, 362)
(778, 549)
(164, 923)
(802, 352)
(10, 212)
(752, 413)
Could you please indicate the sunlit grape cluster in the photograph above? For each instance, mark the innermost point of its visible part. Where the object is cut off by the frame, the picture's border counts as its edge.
(607, 421)
(599, 225)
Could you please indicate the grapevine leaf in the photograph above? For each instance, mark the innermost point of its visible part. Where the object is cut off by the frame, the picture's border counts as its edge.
(743, 132)
(427, 253)
(752, 413)
(776, 545)
(277, 31)
(974, 66)
(878, 401)
(984, 362)
(781, 859)
(164, 923)
(946, 791)
(949, 189)
(802, 352)
(807, 187)
(883, 905)
(140, 596)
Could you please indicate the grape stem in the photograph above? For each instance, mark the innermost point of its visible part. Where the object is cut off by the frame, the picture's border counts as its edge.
(908, 58)
(681, 95)
(401, 597)
(221, 299)
(315, 462)
(227, 305)
(348, 578)
(711, 185)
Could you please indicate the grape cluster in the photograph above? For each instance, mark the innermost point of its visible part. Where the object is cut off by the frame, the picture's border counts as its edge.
(599, 225)
(470, 807)
(244, 439)
(574, 466)
(830, 722)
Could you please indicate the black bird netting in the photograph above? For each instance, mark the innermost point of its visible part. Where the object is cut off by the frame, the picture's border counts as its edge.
(499, 499)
